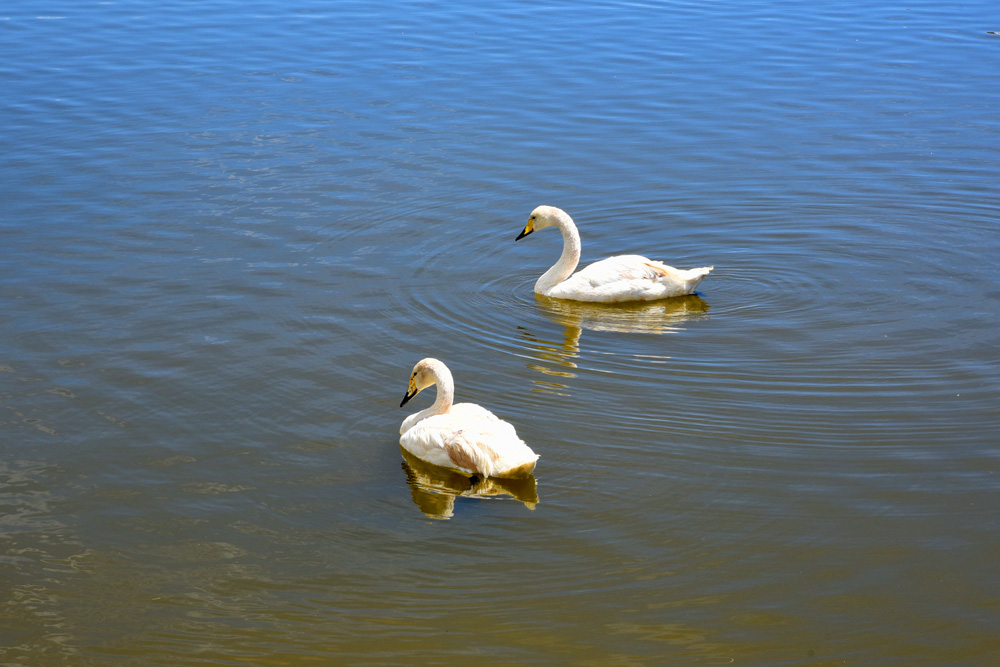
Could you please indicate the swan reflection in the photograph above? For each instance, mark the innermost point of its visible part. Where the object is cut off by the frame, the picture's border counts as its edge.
(435, 489)
(559, 354)
(644, 317)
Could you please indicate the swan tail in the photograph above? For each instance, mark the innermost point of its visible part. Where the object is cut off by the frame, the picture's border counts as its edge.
(662, 271)
(700, 272)
(676, 282)
(693, 277)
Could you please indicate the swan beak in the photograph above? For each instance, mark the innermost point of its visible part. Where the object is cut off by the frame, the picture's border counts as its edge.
(411, 391)
(528, 228)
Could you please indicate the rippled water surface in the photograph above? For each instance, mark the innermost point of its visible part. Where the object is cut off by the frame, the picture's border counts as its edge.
(228, 231)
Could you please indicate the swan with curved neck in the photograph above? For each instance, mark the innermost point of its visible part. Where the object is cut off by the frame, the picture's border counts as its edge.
(460, 436)
(615, 279)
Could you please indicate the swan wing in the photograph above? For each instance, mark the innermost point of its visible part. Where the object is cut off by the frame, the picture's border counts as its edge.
(470, 439)
(629, 278)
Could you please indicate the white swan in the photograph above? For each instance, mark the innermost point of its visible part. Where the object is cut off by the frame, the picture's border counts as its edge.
(465, 436)
(615, 279)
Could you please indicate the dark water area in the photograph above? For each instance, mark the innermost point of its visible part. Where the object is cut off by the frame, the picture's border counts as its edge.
(228, 231)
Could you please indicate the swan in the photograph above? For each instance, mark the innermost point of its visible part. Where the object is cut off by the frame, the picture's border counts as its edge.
(611, 280)
(465, 437)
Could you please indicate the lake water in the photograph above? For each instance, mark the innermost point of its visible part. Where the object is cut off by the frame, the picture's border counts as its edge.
(229, 229)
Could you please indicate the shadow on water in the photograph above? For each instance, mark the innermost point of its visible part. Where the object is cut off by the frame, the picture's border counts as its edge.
(435, 489)
(658, 317)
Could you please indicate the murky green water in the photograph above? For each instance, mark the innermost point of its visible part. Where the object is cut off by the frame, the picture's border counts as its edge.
(229, 230)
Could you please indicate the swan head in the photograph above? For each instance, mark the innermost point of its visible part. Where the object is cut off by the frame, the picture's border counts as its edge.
(542, 217)
(427, 372)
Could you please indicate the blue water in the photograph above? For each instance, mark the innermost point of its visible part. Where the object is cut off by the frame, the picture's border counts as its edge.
(228, 231)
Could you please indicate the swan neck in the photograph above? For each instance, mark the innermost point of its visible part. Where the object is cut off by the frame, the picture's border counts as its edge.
(568, 260)
(442, 402)
(445, 392)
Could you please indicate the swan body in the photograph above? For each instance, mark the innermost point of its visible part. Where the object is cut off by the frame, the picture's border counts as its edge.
(611, 280)
(460, 436)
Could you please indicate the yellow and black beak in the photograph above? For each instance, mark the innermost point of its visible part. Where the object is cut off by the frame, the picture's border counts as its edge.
(528, 228)
(411, 391)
